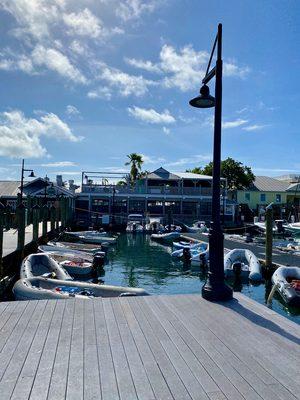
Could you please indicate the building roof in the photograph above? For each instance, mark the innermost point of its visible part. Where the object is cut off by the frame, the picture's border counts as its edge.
(268, 184)
(9, 188)
(163, 174)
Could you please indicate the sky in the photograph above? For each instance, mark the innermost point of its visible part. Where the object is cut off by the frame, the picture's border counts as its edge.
(86, 82)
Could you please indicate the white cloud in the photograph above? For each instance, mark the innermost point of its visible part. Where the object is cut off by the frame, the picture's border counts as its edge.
(100, 93)
(184, 68)
(124, 83)
(152, 159)
(198, 158)
(59, 164)
(84, 23)
(133, 9)
(20, 136)
(151, 116)
(54, 60)
(254, 127)
(145, 65)
(167, 131)
(72, 111)
(234, 124)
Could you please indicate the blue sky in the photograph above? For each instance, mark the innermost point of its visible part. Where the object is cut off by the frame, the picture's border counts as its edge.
(85, 82)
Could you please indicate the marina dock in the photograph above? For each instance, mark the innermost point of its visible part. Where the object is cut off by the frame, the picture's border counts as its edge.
(278, 257)
(156, 347)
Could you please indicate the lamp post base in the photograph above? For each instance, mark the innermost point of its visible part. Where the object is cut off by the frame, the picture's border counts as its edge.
(217, 291)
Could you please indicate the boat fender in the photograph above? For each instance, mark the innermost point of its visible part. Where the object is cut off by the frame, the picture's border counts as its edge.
(237, 268)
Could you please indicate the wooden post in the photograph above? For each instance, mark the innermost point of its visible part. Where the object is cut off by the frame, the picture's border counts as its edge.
(21, 227)
(29, 204)
(45, 220)
(35, 222)
(57, 215)
(2, 208)
(269, 236)
(52, 217)
(62, 213)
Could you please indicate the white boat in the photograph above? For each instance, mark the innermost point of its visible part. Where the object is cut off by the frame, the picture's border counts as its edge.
(42, 265)
(154, 225)
(165, 237)
(201, 256)
(181, 252)
(91, 239)
(82, 247)
(186, 245)
(293, 227)
(287, 281)
(134, 227)
(173, 228)
(262, 227)
(66, 252)
(39, 288)
(89, 233)
(197, 227)
(244, 262)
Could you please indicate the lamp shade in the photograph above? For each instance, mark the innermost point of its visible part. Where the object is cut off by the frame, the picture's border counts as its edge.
(204, 100)
(31, 175)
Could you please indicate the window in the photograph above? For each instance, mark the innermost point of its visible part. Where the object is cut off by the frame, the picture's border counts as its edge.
(262, 197)
(247, 196)
(278, 198)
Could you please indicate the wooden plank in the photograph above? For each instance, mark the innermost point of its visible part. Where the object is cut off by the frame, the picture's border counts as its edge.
(26, 377)
(123, 374)
(15, 364)
(75, 373)
(239, 349)
(58, 381)
(176, 385)
(42, 379)
(91, 376)
(138, 373)
(109, 387)
(155, 376)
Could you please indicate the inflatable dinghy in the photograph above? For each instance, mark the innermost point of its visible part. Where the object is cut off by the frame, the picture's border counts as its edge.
(86, 248)
(165, 237)
(243, 262)
(42, 265)
(287, 281)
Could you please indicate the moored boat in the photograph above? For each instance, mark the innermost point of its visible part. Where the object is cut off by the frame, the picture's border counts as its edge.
(82, 247)
(42, 265)
(39, 288)
(242, 262)
(287, 281)
(165, 237)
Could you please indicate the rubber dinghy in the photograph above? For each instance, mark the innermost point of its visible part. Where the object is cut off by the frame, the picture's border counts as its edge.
(42, 265)
(287, 281)
(39, 288)
(244, 262)
(89, 238)
(165, 237)
(186, 245)
(87, 248)
(201, 255)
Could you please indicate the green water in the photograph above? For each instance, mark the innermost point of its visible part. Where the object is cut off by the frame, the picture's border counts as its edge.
(139, 262)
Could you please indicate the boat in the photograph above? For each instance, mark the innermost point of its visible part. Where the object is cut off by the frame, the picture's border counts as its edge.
(39, 288)
(261, 226)
(186, 245)
(172, 228)
(89, 233)
(42, 265)
(84, 247)
(186, 252)
(287, 281)
(89, 238)
(165, 237)
(201, 255)
(242, 262)
(134, 227)
(197, 227)
(293, 228)
(66, 252)
(154, 225)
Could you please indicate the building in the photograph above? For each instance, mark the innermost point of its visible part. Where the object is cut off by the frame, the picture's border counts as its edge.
(184, 195)
(266, 190)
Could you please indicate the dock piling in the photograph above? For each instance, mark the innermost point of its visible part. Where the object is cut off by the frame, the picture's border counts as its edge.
(45, 219)
(35, 222)
(269, 236)
(2, 209)
(20, 214)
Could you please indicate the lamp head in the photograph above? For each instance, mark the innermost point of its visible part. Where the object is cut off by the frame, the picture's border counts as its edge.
(31, 175)
(204, 100)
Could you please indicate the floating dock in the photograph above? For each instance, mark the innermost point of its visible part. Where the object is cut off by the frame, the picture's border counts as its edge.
(145, 348)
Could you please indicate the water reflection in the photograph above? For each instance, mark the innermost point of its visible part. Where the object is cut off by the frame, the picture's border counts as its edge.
(139, 262)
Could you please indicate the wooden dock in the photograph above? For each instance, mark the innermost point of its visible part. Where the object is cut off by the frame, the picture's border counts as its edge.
(157, 347)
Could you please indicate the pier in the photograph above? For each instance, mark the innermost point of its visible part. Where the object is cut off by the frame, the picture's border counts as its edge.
(146, 348)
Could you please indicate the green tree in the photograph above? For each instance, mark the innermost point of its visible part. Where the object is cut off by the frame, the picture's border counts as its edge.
(196, 170)
(135, 162)
(238, 176)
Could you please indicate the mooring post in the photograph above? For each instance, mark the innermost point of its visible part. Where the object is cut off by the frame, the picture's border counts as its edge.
(35, 222)
(62, 213)
(52, 217)
(2, 208)
(269, 236)
(57, 218)
(45, 220)
(20, 213)
(29, 201)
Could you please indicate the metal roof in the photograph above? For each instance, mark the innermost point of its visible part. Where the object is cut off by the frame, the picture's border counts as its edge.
(9, 188)
(163, 174)
(268, 184)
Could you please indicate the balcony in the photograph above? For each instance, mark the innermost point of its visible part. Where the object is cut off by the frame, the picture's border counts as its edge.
(154, 190)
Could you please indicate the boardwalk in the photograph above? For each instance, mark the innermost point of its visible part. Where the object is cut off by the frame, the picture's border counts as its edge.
(259, 250)
(156, 347)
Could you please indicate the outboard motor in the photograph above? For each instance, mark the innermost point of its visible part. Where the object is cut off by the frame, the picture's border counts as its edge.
(280, 227)
(249, 238)
(134, 227)
(186, 254)
(203, 260)
(98, 261)
(237, 268)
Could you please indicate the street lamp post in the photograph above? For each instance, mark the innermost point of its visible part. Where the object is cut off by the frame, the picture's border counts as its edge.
(31, 175)
(215, 288)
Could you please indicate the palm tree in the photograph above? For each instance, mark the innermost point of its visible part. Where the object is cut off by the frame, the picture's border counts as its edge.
(135, 161)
